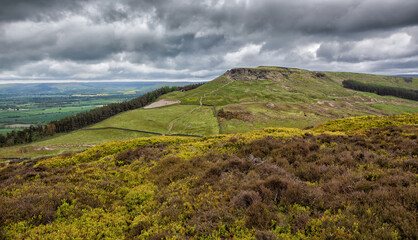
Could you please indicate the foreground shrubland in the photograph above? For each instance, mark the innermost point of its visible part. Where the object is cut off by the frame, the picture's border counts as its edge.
(347, 179)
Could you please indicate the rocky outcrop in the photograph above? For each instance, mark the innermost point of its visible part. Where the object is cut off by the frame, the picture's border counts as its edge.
(247, 74)
(270, 105)
(321, 75)
(259, 74)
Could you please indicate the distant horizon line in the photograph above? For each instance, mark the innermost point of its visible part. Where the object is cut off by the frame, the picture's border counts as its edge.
(5, 82)
(34, 81)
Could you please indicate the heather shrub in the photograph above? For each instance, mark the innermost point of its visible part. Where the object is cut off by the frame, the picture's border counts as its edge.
(244, 199)
(270, 184)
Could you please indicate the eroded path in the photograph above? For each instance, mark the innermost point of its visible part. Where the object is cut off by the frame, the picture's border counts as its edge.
(162, 103)
(171, 125)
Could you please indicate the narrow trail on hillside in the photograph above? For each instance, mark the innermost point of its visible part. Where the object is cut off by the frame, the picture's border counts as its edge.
(204, 95)
(171, 124)
(214, 108)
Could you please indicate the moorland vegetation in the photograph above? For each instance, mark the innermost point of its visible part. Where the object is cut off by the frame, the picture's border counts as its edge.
(345, 179)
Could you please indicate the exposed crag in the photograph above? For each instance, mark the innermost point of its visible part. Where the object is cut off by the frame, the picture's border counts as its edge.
(247, 74)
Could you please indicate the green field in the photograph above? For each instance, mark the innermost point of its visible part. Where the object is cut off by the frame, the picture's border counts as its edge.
(183, 119)
(75, 141)
(84, 137)
(39, 104)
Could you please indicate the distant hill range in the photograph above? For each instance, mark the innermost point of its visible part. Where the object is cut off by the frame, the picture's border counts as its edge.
(407, 75)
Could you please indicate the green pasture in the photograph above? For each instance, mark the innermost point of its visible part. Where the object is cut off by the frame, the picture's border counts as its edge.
(185, 119)
(91, 137)
(75, 141)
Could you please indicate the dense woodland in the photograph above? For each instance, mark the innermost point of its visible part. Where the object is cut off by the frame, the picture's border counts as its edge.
(272, 184)
(381, 90)
(85, 118)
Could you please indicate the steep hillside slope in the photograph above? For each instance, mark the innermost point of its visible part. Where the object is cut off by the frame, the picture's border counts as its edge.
(347, 179)
(272, 96)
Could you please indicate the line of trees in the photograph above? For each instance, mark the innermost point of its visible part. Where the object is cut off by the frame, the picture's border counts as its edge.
(381, 90)
(84, 119)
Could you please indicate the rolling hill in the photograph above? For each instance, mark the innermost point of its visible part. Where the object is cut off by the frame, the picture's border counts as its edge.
(241, 100)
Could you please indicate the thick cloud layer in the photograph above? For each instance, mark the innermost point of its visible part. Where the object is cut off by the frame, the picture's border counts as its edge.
(179, 39)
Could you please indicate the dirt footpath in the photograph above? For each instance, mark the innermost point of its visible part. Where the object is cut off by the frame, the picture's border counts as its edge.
(162, 103)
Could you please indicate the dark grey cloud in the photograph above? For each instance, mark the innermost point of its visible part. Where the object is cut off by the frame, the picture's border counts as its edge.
(131, 39)
(396, 45)
(37, 10)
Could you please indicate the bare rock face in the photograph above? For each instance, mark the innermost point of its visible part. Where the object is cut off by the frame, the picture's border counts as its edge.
(247, 74)
(270, 105)
(259, 74)
(321, 75)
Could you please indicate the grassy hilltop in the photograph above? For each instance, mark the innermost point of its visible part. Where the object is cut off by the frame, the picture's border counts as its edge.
(286, 97)
(244, 99)
(353, 178)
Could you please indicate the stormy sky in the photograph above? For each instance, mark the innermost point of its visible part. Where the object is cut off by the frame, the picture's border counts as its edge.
(177, 39)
